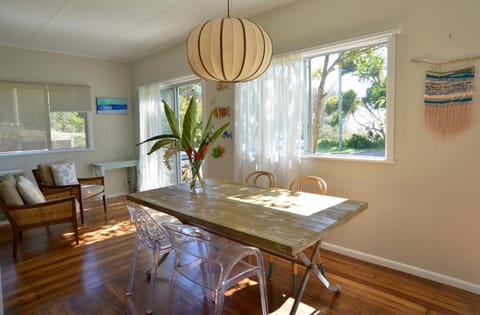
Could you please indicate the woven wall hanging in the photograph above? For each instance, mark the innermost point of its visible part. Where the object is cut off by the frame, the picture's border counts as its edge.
(449, 100)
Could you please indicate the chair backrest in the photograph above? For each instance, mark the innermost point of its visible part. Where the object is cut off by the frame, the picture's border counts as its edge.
(38, 177)
(318, 183)
(196, 248)
(149, 230)
(261, 178)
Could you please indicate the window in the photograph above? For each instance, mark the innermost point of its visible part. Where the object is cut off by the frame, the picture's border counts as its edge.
(153, 172)
(350, 112)
(36, 117)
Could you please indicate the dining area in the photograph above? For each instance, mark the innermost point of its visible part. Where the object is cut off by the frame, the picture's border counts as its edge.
(256, 219)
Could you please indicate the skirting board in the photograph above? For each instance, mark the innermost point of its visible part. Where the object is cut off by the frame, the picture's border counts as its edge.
(454, 282)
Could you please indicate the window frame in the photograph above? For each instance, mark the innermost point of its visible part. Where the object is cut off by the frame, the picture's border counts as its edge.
(49, 143)
(388, 37)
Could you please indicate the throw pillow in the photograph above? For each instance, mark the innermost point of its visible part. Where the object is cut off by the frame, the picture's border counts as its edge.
(64, 174)
(29, 191)
(46, 172)
(9, 194)
(8, 178)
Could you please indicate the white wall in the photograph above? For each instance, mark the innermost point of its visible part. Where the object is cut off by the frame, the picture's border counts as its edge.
(112, 134)
(423, 211)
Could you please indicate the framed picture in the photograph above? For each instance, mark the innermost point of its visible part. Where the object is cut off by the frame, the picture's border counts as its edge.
(112, 105)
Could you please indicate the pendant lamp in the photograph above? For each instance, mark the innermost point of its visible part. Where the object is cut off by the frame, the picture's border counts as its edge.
(229, 49)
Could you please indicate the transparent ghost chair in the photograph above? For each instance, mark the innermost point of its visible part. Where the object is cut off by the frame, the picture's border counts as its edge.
(214, 263)
(151, 235)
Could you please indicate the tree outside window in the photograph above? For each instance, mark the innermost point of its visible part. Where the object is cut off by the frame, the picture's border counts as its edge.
(349, 101)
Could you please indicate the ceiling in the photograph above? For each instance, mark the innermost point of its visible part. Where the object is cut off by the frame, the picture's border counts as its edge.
(112, 29)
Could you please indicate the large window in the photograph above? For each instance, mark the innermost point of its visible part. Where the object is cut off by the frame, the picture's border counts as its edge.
(350, 112)
(36, 117)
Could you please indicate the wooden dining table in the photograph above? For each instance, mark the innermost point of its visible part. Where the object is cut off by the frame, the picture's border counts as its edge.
(278, 221)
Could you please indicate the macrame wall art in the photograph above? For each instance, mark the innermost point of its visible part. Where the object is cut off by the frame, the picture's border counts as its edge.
(448, 98)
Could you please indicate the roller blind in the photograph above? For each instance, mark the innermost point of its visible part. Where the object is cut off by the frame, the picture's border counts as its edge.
(69, 98)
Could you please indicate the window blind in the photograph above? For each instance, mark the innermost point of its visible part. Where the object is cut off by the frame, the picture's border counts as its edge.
(69, 98)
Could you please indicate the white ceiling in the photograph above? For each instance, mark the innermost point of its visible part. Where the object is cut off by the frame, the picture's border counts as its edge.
(112, 29)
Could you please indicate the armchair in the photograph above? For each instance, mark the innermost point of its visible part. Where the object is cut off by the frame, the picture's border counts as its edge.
(82, 188)
(59, 207)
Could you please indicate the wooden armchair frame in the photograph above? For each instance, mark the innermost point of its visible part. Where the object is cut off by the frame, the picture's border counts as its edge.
(76, 189)
(59, 208)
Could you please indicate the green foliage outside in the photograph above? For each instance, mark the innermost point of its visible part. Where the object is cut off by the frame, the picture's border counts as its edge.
(368, 66)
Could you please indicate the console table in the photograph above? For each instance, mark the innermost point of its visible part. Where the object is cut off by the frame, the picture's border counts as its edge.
(132, 166)
(11, 172)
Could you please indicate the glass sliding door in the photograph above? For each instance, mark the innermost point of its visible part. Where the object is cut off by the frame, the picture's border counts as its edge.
(154, 172)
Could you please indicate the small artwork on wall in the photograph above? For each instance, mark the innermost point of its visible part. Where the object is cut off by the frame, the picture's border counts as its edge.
(112, 105)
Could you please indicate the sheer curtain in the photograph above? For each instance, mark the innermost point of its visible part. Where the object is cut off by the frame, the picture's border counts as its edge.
(268, 126)
(152, 121)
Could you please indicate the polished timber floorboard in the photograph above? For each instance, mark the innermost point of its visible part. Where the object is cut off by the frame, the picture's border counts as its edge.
(52, 276)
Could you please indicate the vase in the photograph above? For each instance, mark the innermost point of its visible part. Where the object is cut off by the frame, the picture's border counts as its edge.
(197, 183)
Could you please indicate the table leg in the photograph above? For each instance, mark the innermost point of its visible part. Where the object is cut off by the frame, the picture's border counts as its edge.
(310, 266)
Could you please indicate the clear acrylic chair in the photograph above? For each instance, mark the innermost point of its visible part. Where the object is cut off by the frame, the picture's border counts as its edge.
(214, 263)
(151, 235)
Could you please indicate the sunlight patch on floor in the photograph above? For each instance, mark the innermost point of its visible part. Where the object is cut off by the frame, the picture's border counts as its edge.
(105, 232)
(240, 285)
(303, 309)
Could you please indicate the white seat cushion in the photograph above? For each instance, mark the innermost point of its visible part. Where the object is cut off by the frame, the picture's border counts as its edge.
(89, 191)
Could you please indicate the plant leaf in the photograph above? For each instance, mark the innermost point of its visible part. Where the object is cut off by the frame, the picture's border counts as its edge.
(208, 128)
(172, 120)
(188, 128)
(218, 133)
(158, 137)
(160, 144)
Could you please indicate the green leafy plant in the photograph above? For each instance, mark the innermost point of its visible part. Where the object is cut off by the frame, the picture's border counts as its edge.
(190, 139)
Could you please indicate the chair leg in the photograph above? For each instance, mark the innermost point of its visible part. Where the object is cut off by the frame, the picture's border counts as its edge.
(153, 280)
(318, 262)
(75, 230)
(295, 277)
(133, 266)
(270, 267)
(81, 212)
(104, 203)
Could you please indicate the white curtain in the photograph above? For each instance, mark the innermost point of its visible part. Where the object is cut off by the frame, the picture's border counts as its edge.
(152, 121)
(268, 125)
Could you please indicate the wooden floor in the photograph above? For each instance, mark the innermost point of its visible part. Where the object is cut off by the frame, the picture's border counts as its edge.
(52, 276)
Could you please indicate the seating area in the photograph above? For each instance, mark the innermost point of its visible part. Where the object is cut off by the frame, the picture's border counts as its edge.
(27, 208)
(59, 175)
(104, 268)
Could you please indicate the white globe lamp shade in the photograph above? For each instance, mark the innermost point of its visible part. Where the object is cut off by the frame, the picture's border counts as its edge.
(229, 50)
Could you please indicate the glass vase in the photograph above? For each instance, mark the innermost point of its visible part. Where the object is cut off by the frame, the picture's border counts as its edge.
(197, 183)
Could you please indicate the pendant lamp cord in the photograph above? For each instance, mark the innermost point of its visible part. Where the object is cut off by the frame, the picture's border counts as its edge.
(228, 8)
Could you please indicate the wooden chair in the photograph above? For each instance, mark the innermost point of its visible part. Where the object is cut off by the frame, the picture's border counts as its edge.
(59, 208)
(319, 185)
(258, 178)
(86, 189)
